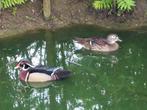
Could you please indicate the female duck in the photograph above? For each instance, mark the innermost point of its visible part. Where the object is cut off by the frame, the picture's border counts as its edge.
(30, 73)
(99, 44)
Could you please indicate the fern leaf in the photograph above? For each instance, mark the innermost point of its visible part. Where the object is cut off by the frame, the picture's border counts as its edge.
(125, 5)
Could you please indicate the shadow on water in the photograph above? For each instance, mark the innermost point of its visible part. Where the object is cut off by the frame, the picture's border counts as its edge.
(113, 81)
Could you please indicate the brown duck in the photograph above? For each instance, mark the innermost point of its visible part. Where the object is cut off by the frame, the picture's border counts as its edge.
(108, 44)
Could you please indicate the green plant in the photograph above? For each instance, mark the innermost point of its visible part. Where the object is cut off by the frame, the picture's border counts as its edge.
(125, 5)
(102, 4)
(11, 3)
(14, 10)
(120, 5)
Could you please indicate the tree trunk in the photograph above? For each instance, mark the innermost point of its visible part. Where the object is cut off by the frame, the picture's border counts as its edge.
(47, 9)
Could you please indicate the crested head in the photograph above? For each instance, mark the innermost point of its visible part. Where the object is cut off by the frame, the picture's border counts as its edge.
(23, 64)
(113, 38)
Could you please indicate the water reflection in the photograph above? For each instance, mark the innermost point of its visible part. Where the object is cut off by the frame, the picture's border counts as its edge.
(99, 81)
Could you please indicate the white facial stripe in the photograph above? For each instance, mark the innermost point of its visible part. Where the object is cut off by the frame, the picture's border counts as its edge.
(30, 65)
(23, 68)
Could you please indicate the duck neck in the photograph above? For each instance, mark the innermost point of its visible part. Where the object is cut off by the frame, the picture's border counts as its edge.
(23, 75)
(111, 42)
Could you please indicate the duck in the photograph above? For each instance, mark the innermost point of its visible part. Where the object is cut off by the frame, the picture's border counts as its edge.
(97, 44)
(39, 73)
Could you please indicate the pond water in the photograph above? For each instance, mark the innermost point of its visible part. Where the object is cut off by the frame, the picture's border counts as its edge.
(112, 81)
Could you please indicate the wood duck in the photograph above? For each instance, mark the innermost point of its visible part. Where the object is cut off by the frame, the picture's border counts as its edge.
(108, 44)
(31, 73)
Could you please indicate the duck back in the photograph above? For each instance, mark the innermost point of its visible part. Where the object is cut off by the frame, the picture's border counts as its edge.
(61, 74)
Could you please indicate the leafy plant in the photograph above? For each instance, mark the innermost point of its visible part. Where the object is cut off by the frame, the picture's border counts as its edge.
(120, 5)
(11, 3)
(102, 4)
(125, 5)
(14, 10)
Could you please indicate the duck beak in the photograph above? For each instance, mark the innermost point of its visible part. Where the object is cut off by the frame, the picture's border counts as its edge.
(119, 40)
(16, 67)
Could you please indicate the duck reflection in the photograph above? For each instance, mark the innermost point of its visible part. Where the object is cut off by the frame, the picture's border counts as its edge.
(37, 84)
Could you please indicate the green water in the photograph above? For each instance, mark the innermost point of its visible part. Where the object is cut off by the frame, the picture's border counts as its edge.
(114, 81)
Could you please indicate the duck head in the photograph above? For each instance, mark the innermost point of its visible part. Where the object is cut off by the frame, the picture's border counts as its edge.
(23, 65)
(113, 38)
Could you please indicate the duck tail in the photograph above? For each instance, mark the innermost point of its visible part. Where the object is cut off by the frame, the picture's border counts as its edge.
(81, 40)
(61, 74)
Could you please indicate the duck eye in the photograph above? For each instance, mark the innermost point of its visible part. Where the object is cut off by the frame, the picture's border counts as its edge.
(21, 65)
(113, 36)
(26, 66)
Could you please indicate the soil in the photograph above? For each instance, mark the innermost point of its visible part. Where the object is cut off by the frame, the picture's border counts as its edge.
(29, 17)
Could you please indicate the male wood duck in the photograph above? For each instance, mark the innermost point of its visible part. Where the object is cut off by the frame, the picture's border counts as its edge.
(108, 44)
(31, 73)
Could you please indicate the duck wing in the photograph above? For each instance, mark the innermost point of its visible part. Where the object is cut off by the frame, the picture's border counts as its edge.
(57, 72)
(42, 69)
(99, 41)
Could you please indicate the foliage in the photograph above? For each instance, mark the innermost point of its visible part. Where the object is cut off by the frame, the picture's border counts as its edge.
(125, 5)
(14, 10)
(120, 5)
(11, 3)
(103, 4)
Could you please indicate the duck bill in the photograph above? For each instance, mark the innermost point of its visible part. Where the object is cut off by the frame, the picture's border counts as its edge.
(119, 40)
(17, 67)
